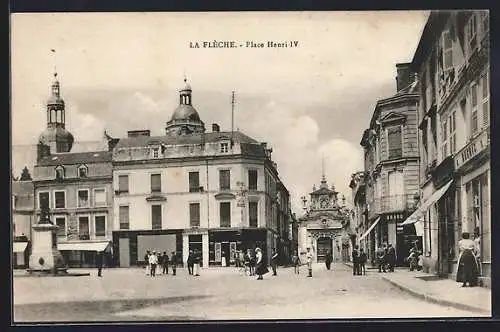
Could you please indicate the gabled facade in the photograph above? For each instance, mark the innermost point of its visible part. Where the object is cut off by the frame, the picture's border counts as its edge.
(452, 60)
(390, 178)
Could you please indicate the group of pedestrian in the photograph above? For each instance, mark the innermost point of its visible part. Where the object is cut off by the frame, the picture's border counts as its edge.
(415, 259)
(359, 259)
(249, 262)
(386, 258)
(154, 260)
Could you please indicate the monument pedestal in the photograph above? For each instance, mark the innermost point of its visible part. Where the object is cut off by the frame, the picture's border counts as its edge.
(44, 254)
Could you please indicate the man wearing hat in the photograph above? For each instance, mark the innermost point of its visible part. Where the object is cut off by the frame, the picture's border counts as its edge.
(153, 261)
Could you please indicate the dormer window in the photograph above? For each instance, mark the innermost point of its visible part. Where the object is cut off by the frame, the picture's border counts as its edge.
(156, 153)
(59, 173)
(224, 147)
(83, 171)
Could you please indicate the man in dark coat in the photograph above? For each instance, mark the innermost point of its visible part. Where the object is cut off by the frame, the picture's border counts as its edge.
(164, 263)
(274, 261)
(391, 257)
(99, 262)
(328, 260)
(362, 261)
(190, 262)
(173, 262)
(381, 256)
(355, 261)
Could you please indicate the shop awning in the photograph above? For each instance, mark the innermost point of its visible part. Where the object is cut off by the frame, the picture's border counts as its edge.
(83, 246)
(420, 211)
(370, 229)
(19, 246)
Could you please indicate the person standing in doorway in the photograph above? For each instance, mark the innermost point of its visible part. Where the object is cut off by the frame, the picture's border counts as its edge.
(355, 261)
(146, 260)
(173, 262)
(328, 260)
(196, 263)
(261, 267)
(224, 262)
(467, 270)
(309, 257)
(190, 262)
(99, 262)
(274, 261)
(165, 262)
(362, 261)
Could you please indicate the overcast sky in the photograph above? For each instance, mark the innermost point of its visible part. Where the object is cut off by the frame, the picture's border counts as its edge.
(122, 71)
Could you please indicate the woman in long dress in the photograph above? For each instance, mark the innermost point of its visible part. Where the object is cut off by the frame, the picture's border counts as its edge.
(261, 267)
(467, 271)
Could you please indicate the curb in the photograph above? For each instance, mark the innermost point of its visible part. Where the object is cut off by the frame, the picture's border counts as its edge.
(435, 300)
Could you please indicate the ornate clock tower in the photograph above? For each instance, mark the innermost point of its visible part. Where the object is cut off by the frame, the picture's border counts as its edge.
(323, 226)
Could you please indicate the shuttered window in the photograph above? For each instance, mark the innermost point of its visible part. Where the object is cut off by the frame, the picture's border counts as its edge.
(100, 226)
(123, 183)
(156, 183)
(225, 214)
(253, 214)
(225, 179)
(194, 214)
(156, 216)
(395, 142)
(194, 182)
(124, 217)
(252, 179)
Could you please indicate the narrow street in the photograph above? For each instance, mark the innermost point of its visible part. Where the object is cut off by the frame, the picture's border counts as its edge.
(218, 294)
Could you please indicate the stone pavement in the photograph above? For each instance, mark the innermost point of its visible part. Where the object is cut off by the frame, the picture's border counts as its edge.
(442, 291)
(218, 294)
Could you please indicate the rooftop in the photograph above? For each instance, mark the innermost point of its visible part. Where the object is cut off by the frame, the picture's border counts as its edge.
(76, 158)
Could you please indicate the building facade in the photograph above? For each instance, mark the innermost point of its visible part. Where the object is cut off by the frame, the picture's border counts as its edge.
(75, 187)
(214, 192)
(360, 212)
(23, 217)
(324, 227)
(452, 60)
(391, 163)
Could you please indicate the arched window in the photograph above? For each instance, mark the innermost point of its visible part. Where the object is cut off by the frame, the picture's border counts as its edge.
(60, 172)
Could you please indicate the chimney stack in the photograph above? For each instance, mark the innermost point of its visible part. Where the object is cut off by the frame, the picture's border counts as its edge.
(215, 128)
(405, 75)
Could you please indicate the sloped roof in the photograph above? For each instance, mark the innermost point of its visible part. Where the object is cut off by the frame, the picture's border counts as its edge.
(140, 141)
(323, 190)
(76, 158)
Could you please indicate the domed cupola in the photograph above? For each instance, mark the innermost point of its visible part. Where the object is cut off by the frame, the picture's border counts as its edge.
(55, 135)
(185, 119)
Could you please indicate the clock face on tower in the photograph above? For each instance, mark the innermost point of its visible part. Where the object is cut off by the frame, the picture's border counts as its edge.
(323, 203)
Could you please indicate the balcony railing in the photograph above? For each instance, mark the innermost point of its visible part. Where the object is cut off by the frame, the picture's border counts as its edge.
(392, 203)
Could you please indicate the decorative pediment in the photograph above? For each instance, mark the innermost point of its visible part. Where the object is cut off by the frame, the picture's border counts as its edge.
(225, 196)
(393, 117)
(156, 198)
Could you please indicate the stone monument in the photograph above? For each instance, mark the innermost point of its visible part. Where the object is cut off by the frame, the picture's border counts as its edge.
(44, 254)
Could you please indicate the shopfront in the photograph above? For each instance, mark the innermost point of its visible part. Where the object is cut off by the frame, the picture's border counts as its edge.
(226, 243)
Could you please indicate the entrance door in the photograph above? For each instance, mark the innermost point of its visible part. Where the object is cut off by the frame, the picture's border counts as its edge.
(225, 252)
(446, 230)
(324, 246)
(124, 245)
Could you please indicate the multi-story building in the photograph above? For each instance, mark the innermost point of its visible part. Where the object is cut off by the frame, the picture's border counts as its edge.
(391, 167)
(324, 227)
(215, 192)
(75, 187)
(452, 60)
(23, 217)
(360, 212)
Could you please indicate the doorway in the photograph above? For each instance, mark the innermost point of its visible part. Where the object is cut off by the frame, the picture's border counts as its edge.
(446, 233)
(324, 245)
(226, 252)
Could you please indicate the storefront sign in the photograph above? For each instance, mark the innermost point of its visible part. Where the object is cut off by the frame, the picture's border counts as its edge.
(473, 149)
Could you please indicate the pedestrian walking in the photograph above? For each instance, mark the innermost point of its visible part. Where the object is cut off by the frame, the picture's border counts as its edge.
(355, 261)
(381, 259)
(146, 260)
(391, 257)
(362, 261)
(467, 270)
(252, 262)
(196, 263)
(99, 263)
(261, 267)
(295, 262)
(274, 261)
(328, 260)
(309, 257)
(173, 262)
(153, 262)
(165, 262)
(190, 262)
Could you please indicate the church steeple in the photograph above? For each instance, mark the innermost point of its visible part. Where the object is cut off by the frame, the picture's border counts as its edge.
(323, 184)
(56, 114)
